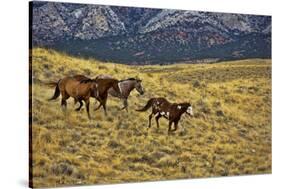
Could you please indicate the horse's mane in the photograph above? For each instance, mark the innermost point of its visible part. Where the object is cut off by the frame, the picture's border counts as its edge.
(183, 104)
(129, 79)
(87, 80)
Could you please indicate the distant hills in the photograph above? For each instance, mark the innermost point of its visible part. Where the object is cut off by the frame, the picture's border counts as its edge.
(149, 36)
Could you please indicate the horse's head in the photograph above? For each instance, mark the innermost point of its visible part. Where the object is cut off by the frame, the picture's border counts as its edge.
(189, 110)
(139, 87)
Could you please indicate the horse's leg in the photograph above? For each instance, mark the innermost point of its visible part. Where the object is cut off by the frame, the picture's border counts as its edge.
(176, 125)
(87, 102)
(98, 106)
(157, 120)
(63, 104)
(104, 106)
(149, 120)
(80, 105)
(63, 100)
(125, 104)
(170, 126)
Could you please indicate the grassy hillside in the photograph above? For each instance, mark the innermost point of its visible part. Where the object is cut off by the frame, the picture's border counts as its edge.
(230, 133)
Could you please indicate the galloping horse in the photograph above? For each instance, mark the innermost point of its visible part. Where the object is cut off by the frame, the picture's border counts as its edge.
(70, 87)
(171, 111)
(102, 87)
(83, 90)
(126, 86)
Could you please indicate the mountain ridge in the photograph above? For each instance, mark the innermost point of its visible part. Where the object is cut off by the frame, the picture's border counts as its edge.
(148, 36)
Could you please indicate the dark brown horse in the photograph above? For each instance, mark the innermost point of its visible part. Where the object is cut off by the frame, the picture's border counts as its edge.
(70, 87)
(126, 86)
(171, 111)
(102, 87)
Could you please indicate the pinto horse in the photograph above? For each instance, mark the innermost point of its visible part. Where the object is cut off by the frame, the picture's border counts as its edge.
(171, 111)
(126, 86)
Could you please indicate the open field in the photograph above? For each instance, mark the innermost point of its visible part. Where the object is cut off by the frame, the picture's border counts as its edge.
(230, 133)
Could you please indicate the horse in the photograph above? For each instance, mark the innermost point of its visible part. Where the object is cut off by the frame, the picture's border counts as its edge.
(126, 86)
(102, 87)
(161, 107)
(70, 87)
(81, 90)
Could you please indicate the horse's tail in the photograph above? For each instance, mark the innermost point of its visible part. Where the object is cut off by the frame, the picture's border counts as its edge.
(147, 106)
(50, 84)
(57, 92)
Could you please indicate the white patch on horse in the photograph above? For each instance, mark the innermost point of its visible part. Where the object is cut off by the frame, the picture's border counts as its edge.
(162, 113)
(120, 89)
(189, 110)
(179, 107)
(168, 114)
(155, 106)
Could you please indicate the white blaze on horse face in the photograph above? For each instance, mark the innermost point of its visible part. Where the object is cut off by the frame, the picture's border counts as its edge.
(179, 107)
(189, 110)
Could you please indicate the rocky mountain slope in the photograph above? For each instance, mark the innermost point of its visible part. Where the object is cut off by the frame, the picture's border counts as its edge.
(147, 36)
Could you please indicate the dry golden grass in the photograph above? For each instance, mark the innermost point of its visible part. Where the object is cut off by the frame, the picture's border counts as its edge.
(230, 133)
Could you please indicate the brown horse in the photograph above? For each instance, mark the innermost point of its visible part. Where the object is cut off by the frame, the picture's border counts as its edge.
(126, 86)
(70, 87)
(82, 89)
(102, 87)
(171, 111)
